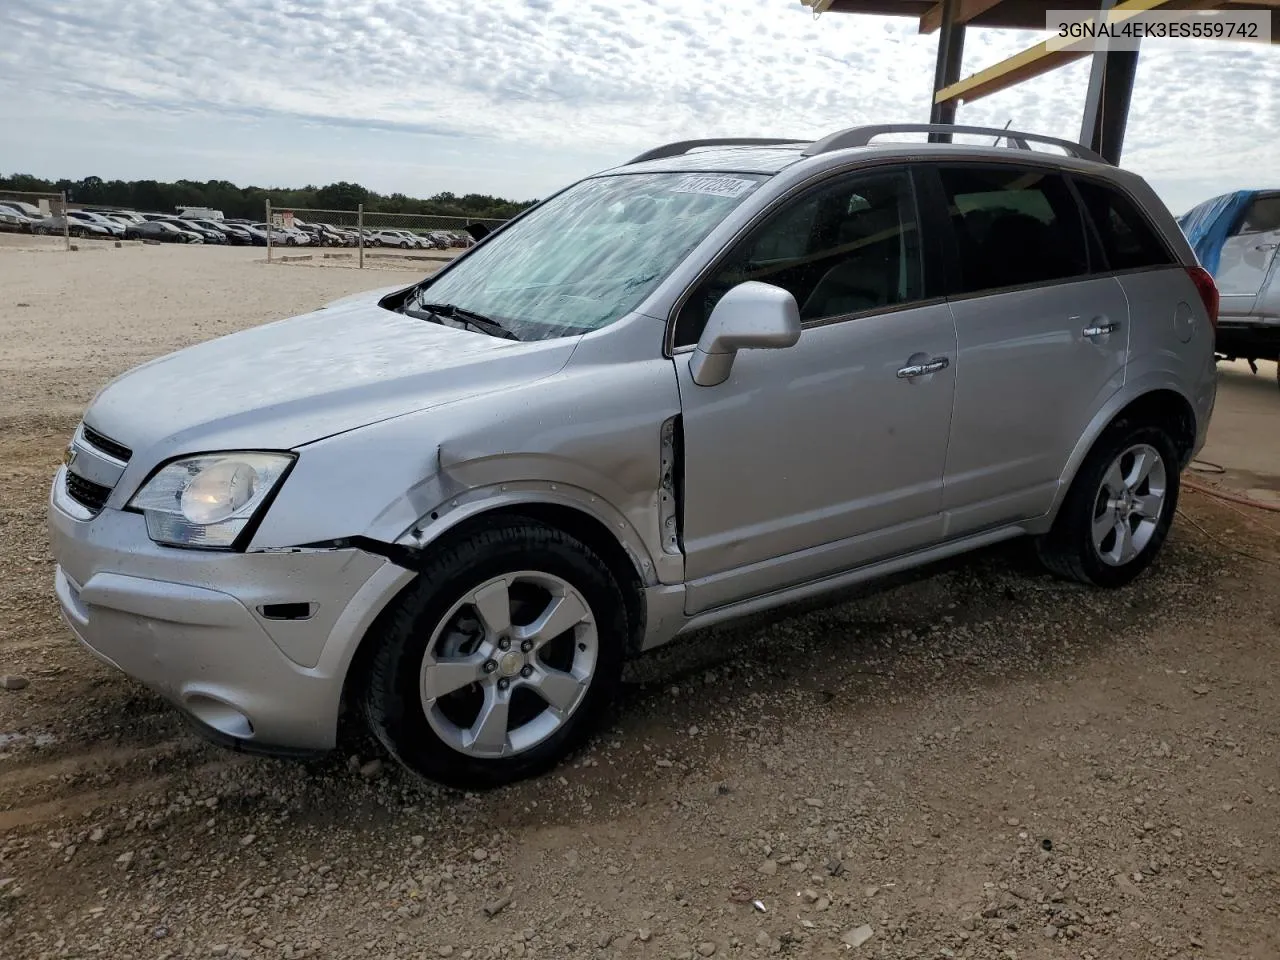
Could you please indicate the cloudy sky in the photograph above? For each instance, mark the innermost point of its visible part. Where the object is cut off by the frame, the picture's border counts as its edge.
(515, 97)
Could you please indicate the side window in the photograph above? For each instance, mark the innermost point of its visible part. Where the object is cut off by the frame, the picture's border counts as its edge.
(1128, 239)
(840, 249)
(1013, 226)
(1263, 216)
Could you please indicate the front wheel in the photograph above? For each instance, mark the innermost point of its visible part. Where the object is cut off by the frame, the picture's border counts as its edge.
(499, 660)
(1118, 511)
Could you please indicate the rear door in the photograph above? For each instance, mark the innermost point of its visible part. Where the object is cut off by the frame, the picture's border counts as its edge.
(1042, 338)
(1249, 256)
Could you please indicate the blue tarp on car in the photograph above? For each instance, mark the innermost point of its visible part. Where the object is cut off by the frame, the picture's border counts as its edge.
(1207, 225)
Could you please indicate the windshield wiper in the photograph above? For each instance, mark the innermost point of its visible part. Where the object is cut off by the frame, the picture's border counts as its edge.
(439, 312)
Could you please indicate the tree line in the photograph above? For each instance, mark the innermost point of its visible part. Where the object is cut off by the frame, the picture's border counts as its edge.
(233, 201)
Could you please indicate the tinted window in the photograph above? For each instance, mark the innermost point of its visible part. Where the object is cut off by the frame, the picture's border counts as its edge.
(841, 249)
(1263, 216)
(1013, 226)
(1128, 239)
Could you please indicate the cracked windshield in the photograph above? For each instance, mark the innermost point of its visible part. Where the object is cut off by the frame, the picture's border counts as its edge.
(591, 254)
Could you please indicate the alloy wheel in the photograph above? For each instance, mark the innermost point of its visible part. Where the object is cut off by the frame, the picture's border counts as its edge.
(509, 664)
(1129, 504)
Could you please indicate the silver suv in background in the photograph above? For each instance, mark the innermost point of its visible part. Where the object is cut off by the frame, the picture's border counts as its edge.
(721, 377)
(1237, 238)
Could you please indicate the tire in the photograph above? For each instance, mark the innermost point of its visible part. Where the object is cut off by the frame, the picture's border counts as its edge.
(1077, 550)
(429, 736)
(404, 244)
(376, 242)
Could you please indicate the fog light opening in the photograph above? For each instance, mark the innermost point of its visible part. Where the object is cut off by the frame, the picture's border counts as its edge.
(221, 716)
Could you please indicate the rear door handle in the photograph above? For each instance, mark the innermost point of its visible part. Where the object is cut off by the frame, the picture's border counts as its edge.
(923, 369)
(1265, 246)
(1100, 329)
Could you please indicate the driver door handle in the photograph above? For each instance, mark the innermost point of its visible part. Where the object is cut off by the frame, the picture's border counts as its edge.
(923, 369)
(1265, 246)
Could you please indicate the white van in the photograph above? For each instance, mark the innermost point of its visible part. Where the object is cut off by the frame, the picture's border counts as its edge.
(202, 213)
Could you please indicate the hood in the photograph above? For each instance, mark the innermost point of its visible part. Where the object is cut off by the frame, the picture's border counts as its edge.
(294, 381)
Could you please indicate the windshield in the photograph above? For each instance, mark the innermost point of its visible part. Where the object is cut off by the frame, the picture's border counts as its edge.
(589, 255)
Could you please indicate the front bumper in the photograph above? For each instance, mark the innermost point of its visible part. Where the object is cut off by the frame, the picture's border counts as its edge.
(191, 625)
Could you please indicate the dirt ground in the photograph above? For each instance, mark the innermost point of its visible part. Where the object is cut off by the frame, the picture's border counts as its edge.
(978, 761)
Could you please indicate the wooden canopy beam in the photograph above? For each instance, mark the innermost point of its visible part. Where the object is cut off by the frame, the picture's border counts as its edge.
(966, 10)
(1044, 56)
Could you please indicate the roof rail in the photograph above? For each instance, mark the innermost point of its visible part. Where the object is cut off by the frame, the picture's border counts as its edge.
(862, 136)
(681, 147)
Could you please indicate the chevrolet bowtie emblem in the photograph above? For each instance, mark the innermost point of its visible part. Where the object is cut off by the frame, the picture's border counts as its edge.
(69, 457)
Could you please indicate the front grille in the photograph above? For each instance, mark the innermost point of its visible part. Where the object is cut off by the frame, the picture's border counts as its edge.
(106, 444)
(86, 492)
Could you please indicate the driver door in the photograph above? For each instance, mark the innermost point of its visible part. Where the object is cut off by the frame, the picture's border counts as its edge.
(826, 455)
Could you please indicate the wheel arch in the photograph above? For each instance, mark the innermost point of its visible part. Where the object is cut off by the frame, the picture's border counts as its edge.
(589, 529)
(1160, 405)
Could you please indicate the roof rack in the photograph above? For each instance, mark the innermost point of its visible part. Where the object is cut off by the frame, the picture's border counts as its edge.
(681, 147)
(862, 136)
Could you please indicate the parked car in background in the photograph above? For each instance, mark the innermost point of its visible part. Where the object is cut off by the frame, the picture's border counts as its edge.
(323, 234)
(394, 238)
(114, 227)
(13, 220)
(235, 233)
(26, 209)
(285, 236)
(125, 216)
(74, 226)
(162, 230)
(207, 234)
(697, 386)
(257, 236)
(1237, 238)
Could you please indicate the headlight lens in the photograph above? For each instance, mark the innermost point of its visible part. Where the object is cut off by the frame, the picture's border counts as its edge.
(207, 500)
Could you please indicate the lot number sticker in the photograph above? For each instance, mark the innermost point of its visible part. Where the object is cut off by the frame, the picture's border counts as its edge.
(732, 187)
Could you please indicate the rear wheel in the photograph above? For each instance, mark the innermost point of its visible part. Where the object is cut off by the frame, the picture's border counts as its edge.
(500, 659)
(1119, 509)
(404, 244)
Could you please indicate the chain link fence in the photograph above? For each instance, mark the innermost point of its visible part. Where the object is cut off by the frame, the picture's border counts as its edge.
(36, 213)
(362, 237)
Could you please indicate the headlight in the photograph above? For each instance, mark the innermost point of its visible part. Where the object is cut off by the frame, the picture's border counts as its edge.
(207, 500)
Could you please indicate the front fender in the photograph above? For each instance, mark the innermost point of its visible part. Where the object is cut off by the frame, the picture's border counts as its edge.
(475, 501)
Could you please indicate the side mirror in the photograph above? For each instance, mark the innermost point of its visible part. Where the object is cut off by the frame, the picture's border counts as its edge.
(751, 316)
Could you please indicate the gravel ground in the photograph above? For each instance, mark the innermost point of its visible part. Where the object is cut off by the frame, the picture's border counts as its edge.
(978, 761)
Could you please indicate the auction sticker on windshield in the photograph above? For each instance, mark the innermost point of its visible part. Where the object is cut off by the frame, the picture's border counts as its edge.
(732, 187)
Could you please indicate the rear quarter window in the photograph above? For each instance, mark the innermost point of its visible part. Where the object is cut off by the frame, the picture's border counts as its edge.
(1129, 241)
(1013, 226)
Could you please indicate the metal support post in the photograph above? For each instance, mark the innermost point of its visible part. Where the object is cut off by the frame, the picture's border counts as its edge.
(66, 221)
(360, 231)
(947, 68)
(1106, 104)
(268, 231)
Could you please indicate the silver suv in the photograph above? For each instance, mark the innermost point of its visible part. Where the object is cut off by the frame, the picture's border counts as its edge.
(721, 377)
